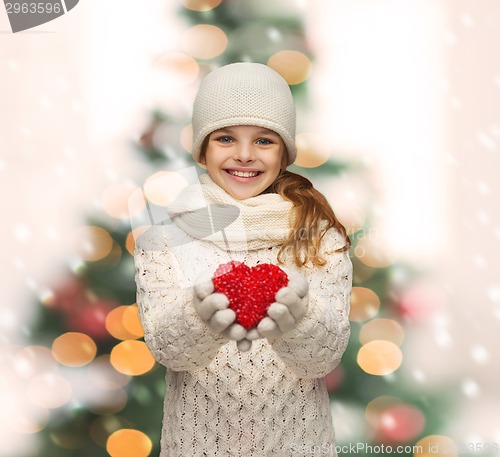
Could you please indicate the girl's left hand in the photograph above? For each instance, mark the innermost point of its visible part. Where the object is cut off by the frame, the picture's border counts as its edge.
(289, 308)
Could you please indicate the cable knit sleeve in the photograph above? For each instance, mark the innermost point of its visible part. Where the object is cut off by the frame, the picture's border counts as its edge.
(176, 336)
(315, 346)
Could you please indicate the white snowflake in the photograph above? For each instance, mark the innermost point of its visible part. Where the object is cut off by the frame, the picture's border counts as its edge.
(483, 188)
(479, 261)
(442, 338)
(486, 141)
(274, 34)
(483, 217)
(493, 293)
(480, 354)
(467, 20)
(470, 388)
(449, 37)
(419, 375)
(22, 232)
(456, 103)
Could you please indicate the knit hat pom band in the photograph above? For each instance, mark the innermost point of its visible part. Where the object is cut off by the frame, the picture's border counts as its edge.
(244, 94)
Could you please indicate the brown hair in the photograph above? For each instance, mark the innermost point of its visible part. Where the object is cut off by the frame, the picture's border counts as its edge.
(310, 212)
(312, 216)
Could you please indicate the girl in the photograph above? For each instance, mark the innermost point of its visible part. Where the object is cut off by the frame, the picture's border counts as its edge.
(233, 391)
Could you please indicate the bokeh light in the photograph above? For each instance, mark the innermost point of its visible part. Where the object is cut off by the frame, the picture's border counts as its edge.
(136, 203)
(163, 187)
(376, 406)
(102, 427)
(334, 378)
(311, 150)
(132, 236)
(132, 358)
(435, 446)
(400, 424)
(187, 137)
(32, 360)
(200, 5)
(204, 41)
(74, 349)
(361, 272)
(382, 329)
(111, 259)
(28, 421)
(364, 304)
(379, 357)
(103, 375)
(70, 437)
(114, 199)
(115, 323)
(421, 300)
(129, 443)
(90, 318)
(176, 70)
(92, 243)
(112, 402)
(132, 322)
(294, 66)
(49, 390)
(370, 252)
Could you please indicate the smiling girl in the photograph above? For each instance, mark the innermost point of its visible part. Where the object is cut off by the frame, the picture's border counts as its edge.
(231, 390)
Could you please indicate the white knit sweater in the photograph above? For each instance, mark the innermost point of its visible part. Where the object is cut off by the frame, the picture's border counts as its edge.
(269, 401)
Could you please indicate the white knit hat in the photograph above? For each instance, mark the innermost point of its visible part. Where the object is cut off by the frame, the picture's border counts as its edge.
(244, 94)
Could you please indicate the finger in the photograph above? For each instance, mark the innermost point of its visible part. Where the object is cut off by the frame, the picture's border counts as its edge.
(204, 289)
(253, 334)
(235, 332)
(268, 328)
(299, 284)
(244, 345)
(214, 302)
(287, 296)
(222, 319)
(204, 285)
(299, 308)
(281, 315)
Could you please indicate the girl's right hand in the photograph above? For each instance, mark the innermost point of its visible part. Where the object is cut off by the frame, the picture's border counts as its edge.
(212, 308)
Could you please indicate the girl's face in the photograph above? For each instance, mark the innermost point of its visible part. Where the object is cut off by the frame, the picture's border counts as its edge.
(244, 160)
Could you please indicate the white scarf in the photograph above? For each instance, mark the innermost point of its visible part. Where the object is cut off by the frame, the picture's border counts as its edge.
(206, 211)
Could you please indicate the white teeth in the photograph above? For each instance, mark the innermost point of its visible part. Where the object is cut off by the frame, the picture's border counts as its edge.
(243, 174)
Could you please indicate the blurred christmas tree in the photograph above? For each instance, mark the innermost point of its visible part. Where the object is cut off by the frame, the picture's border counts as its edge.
(88, 320)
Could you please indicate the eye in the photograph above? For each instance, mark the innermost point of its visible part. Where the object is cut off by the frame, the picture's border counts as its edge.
(264, 141)
(224, 139)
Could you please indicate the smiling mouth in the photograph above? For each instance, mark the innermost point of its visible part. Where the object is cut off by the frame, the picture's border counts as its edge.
(244, 174)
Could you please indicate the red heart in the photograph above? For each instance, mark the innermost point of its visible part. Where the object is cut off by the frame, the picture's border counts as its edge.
(250, 290)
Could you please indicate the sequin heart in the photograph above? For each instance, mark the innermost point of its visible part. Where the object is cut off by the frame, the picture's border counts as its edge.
(250, 290)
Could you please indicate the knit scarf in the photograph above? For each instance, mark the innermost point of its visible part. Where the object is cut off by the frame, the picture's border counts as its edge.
(205, 211)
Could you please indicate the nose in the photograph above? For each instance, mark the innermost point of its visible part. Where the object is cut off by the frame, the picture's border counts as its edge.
(244, 153)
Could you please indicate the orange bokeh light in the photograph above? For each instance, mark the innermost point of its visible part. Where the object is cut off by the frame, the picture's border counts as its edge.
(379, 357)
(311, 150)
(204, 41)
(92, 243)
(132, 358)
(294, 66)
(364, 304)
(129, 443)
(382, 329)
(74, 349)
(201, 5)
